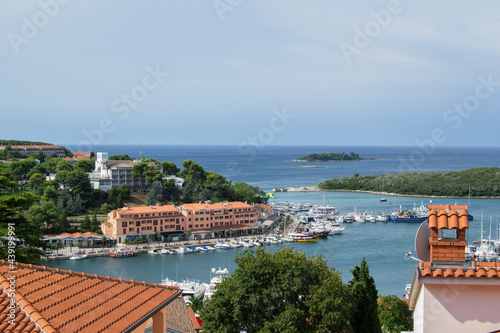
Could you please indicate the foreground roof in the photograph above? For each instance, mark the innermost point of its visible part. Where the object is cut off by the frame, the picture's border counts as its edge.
(53, 300)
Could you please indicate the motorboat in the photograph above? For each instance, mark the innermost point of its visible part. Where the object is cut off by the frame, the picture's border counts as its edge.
(167, 251)
(182, 250)
(78, 256)
(222, 245)
(247, 242)
(235, 243)
(220, 274)
(193, 249)
(154, 251)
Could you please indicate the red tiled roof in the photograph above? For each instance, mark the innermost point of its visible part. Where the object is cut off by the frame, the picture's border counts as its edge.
(79, 234)
(54, 300)
(81, 152)
(477, 270)
(448, 217)
(212, 206)
(195, 321)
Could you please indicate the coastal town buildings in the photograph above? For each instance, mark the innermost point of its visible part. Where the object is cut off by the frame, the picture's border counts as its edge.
(47, 150)
(131, 222)
(43, 299)
(448, 295)
(75, 238)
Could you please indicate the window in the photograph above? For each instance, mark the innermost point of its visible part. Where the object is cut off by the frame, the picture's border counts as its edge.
(124, 224)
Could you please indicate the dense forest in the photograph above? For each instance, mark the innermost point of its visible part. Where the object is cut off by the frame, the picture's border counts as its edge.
(324, 157)
(483, 182)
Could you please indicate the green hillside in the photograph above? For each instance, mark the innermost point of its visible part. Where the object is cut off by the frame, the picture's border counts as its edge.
(482, 181)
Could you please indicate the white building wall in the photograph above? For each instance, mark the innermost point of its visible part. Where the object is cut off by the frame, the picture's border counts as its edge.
(458, 308)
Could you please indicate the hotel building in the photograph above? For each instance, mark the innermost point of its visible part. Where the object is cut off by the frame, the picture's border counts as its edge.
(48, 150)
(131, 222)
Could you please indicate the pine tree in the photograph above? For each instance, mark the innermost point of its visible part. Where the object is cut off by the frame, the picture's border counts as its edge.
(364, 292)
(154, 195)
(85, 224)
(78, 204)
(60, 205)
(95, 226)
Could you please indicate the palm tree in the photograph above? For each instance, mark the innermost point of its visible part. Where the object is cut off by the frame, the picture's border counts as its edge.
(79, 245)
(259, 229)
(236, 232)
(114, 244)
(208, 235)
(103, 239)
(148, 237)
(158, 237)
(179, 238)
(217, 233)
(188, 234)
(169, 239)
(93, 244)
(58, 246)
(70, 246)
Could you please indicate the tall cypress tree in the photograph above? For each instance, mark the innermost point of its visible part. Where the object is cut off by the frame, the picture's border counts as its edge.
(365, 315)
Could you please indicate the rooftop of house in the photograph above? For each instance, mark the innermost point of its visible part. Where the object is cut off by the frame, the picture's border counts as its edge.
(53, 300)
(147, 209)
(485, 270)
(215, 206)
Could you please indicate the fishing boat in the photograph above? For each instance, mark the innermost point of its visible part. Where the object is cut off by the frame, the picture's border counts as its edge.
(304, 236)
(123, 253)
(418, 214)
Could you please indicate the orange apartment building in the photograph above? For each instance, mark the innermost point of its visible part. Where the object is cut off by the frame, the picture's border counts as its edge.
(131, 222)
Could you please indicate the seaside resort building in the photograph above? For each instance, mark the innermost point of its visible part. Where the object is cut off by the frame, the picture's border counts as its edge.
(200, 218)
(48, 150)
(44, 299)
(448, 295)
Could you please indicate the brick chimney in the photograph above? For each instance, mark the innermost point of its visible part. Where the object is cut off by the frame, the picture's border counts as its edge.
(447, 242)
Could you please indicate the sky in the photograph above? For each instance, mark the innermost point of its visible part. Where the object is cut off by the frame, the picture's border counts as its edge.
(232, 72)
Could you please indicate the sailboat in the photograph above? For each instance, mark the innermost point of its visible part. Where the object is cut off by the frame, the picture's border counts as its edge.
(485, 252)
(382, 197)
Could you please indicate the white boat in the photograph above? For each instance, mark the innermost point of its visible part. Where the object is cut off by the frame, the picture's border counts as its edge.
(381, 218)
(336, 230)
(485, 251)
(234, 243)
(154, 251)
(78, 256)
(202, 248)
(220, 274)
(189, 288)
(287, 239)
(256, 243)
(167, 251)
(182, 250)
(246, 242)
(222, 245)
(210, 248)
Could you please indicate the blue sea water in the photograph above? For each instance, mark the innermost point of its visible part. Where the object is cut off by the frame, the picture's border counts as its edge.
(383, 245)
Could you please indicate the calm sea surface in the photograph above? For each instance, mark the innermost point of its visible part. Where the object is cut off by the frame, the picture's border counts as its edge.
(383, 244)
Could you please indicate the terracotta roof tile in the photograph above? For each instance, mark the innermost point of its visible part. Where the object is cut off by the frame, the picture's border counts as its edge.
(478, 270)
(448, 217)
(58, 300)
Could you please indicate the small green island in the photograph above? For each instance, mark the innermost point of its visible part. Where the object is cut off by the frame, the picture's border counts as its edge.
(331, 157)
(476, 182)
